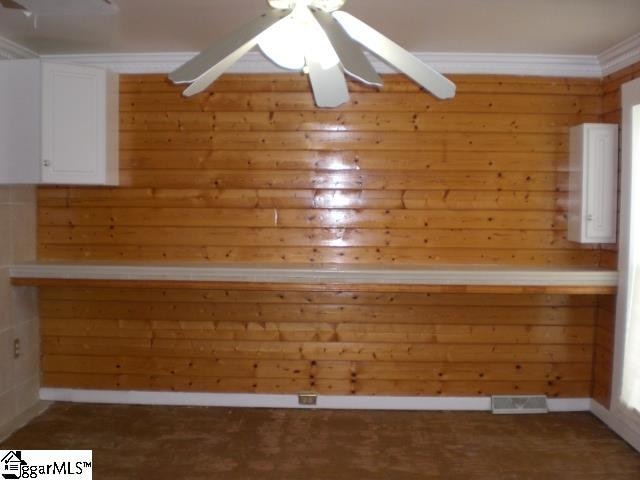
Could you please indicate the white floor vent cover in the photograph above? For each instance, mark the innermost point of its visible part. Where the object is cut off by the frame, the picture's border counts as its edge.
(519, 404)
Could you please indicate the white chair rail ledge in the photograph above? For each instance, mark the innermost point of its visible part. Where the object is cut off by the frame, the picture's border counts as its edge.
(347, 274)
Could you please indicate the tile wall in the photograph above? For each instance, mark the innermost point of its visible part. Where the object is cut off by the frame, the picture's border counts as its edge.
(19, 376)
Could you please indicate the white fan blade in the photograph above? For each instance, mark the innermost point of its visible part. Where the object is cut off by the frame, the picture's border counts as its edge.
(211, 75)
(397, 56)
(353, 59)
(205, 68)
(329, 85)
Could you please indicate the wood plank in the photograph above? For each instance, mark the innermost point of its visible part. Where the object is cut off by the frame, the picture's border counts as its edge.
(613, 117)
(305, 199)
(156, 217)
(396, 352)
(302, 218)
(604, 338)
(378, 180)
(387, 141)
(608, 259)
(172, 383)
(312, 331)
(202, 367)
(608, 305)
(463, 371)
(376, 101)
(330, 121)
(614, 81)
(345, 180)
(345, 160)
(392, 83)
(344, 218)
(204, 254)
(611, 101)
(305, 237)
(399, 387)
(337, 313)
(603, 353)
(283, 296)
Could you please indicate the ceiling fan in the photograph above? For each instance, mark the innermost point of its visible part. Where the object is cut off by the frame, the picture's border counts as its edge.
(314, 36)
(61, 7)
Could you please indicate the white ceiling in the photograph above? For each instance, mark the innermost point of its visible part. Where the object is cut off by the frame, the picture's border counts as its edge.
(571, 27)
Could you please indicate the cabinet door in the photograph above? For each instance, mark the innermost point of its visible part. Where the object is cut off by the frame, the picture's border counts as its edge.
(601, 183)
(73, 124)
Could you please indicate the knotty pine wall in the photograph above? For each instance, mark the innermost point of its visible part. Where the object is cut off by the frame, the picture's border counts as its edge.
(252, 172)
(603, 353)
(334, 343)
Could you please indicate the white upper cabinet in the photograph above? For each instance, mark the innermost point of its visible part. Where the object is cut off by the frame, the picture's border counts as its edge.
(593, 183)
(71, 133)
(79, 125)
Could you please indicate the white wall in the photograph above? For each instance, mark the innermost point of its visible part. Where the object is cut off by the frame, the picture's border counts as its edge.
(19, 377)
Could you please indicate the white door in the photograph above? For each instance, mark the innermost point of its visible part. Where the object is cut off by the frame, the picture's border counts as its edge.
(73, 124)
(625, 401)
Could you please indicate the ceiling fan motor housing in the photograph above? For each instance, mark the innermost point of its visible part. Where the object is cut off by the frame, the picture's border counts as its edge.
(326, 5)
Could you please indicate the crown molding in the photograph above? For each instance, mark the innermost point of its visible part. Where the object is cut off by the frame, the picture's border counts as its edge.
(621, 55)
(611, 60)
(448, 63)
(10, 50)
(514, 64)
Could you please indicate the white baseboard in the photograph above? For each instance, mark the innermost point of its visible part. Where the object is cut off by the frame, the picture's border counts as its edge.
(617, 424)
(249, 400)
(22, 419)
(569, 404)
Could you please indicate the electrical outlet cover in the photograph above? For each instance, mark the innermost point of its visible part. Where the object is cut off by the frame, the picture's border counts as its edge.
(307, 398)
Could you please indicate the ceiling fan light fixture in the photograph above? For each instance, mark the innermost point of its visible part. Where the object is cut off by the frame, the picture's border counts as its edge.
(277, 45)
(297, 39)
(316, 37)
(326, 5)
(282, 4)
